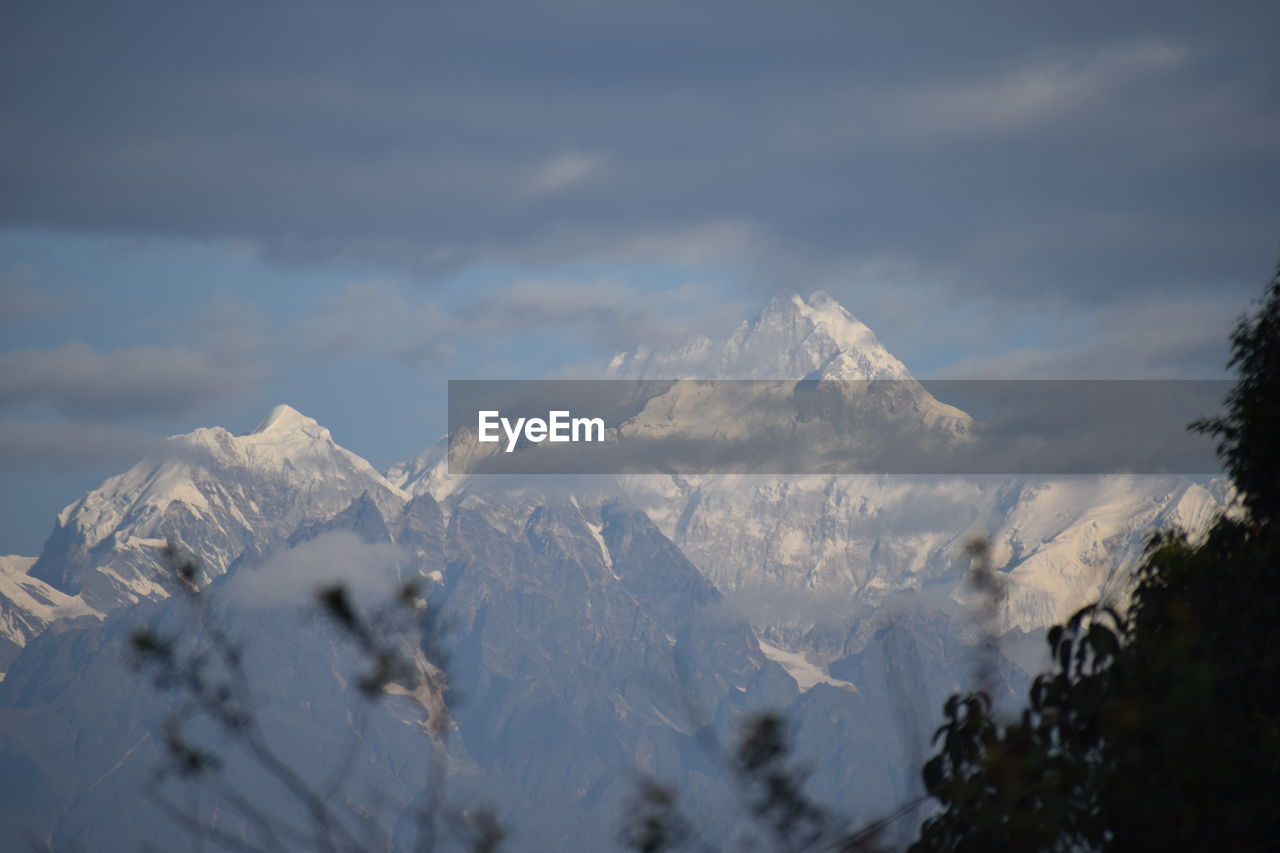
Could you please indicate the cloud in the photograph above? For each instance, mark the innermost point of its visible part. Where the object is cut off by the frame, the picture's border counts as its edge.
(604, 311)
(561, 131)
(372, 318)
(80, 381)
(698, 243)
(1153, 340)
(563, 171)
(69, 446)
(292, 577)
(387, 320)
(1030, 96)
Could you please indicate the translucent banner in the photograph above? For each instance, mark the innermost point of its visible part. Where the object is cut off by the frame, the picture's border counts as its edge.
(949, 427)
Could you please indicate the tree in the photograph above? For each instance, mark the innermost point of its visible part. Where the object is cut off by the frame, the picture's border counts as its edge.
(1158, 728)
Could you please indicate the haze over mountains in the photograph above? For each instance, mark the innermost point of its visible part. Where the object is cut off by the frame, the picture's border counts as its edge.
(596, 628)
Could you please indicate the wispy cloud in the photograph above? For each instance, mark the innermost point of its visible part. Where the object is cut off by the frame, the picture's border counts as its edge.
(836, 134)
(564, 171)
(388, 320)
(1030, 96)
(293, 576)
(80, 381)
(603, 311)
(371, 318)
(69, 445)
(1152, 340)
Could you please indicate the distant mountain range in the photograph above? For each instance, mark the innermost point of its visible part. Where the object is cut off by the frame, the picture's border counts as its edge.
(595, 630)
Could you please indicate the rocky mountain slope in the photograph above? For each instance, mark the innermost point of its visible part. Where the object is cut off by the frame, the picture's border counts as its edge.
(222, 495)
(855, 539)
(596, 632)
(28, 606)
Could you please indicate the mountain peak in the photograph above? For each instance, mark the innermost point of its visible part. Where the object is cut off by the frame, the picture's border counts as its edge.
(793, 300)
(821, 312)
(208, 487)
(284, 418)
(793, 337)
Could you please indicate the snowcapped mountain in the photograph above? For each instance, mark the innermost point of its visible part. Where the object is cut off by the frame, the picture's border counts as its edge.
(596, 633)
(580, 640)
(222, 495)
(857, 539)
(792, 338)
(28, 606)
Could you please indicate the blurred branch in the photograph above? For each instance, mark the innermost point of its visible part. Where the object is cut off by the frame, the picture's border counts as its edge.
(205, 667)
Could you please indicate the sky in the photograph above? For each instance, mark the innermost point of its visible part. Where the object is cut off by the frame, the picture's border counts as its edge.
(206, 209)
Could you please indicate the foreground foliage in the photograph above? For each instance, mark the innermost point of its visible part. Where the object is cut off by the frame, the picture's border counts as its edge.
(1159, 727)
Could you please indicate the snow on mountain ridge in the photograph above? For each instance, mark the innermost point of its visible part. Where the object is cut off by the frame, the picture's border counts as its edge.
(862, 538)
(219, 493)
(28, 606)
(790, 338)
(285, 418)
(560, 600)
(839, 537)
(847, 539)
(288, 443)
